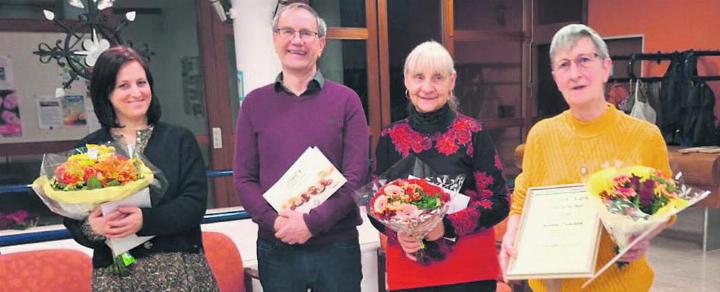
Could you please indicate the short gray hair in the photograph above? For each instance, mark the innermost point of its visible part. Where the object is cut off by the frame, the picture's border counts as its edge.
(322, 27)
(567, 37)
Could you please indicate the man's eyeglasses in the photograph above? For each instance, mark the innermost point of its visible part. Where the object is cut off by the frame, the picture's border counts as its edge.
(289, 33)
(581, 61)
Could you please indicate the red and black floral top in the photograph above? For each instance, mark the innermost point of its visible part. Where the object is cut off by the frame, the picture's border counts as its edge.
(450, 143)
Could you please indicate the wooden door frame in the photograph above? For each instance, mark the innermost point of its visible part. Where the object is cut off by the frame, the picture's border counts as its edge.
(369, 34)
(213, 34)
(541, 35)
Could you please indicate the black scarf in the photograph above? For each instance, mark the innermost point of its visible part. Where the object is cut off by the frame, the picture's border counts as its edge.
(432, 122)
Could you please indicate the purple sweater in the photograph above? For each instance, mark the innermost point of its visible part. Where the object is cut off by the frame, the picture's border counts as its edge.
(274, 128)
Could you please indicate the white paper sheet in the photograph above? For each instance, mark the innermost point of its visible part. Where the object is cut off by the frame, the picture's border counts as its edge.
(121, 245)
(49, 111)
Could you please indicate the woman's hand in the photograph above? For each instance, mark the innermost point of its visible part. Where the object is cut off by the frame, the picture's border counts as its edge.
(436, 233)
(636, 251)
(98, 222)
(409, 245)
(130, 222)
(641, 247)
(507, 249)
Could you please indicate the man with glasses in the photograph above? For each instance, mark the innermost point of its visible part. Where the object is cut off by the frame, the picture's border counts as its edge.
(276, 124)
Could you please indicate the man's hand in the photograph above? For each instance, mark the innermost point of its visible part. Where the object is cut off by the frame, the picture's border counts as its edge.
(280, 221)
(294, 231)
(409, 245)
(129, 223)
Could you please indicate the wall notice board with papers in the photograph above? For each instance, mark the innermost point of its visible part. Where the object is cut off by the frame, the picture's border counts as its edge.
(30, 109)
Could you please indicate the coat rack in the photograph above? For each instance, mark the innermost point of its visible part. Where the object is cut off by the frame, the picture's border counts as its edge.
(688, 57)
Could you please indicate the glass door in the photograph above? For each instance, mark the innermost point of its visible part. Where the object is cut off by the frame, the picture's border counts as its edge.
(351, 53)
(489, 41)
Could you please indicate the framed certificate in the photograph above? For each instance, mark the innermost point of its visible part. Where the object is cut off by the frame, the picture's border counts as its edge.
(559, 235)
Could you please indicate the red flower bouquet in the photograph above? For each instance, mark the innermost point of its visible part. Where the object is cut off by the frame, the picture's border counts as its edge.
(413, 206)
(412, 198)
(405, 201)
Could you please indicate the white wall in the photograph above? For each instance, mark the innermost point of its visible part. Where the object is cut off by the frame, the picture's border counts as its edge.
(255, 54)
(172, 35)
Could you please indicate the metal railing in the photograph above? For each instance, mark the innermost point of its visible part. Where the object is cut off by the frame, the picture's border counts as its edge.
(50, 235)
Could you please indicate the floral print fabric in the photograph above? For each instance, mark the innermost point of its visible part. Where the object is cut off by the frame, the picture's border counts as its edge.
(462, 147)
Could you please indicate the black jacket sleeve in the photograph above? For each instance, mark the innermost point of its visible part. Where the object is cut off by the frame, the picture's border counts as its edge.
(183, 205)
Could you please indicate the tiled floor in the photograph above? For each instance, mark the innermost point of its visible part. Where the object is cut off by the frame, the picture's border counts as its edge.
(678, 259)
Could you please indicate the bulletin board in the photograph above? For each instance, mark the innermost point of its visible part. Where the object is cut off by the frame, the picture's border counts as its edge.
(28, 90)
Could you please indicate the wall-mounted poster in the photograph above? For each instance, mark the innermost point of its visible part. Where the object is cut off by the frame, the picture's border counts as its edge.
(73, 109)
(49, 113)
(7, 78)
(10, 124)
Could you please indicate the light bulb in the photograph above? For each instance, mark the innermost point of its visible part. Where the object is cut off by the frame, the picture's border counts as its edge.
(77, 3)
(49, 15)
(130, 16)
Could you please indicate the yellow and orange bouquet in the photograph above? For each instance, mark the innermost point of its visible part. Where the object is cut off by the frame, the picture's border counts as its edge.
(73, 184)
(635, 199)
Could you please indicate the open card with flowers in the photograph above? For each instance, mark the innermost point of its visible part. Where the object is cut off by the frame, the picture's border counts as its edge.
(74, 183)
(309, 182)
(634, 201)
(411, 198)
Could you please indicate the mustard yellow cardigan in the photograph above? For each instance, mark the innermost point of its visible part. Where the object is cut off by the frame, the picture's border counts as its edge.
(559, 149)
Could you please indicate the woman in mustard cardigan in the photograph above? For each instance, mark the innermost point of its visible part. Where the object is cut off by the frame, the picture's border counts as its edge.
(565, 148)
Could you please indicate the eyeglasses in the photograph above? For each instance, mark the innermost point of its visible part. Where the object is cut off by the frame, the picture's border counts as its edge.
(289, 33)
(583, 61)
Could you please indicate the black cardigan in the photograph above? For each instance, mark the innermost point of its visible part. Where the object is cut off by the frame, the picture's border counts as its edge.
(175, 220)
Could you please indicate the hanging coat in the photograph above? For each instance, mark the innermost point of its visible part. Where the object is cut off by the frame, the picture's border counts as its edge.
(672, 91)
(698, 124)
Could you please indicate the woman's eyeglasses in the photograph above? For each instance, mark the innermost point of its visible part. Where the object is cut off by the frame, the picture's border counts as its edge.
(581, 61)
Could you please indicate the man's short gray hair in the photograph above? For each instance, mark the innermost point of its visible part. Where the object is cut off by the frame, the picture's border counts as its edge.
(322, 27)
(567, 37)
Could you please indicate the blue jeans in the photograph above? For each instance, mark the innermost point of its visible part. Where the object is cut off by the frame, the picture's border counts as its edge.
(327, 267)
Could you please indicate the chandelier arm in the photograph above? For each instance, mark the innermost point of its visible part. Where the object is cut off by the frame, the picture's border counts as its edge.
(79, 54)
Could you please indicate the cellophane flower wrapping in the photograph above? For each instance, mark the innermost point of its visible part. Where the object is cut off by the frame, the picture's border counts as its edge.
(73, 183)
(632, 200)
(410, 197)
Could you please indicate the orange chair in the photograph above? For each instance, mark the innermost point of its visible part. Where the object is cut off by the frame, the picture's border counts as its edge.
(46, 270)
(225, 261)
